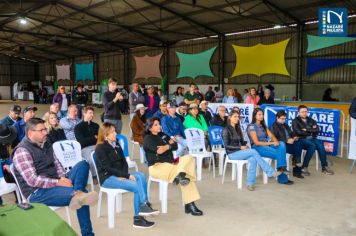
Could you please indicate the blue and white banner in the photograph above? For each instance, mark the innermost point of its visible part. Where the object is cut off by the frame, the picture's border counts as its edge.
(246, 111)
(328, 121)
(333, 22)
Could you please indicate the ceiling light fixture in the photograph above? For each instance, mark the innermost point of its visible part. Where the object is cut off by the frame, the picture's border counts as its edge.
(23, 21)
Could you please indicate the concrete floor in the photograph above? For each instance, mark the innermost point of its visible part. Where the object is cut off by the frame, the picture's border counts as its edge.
(316, 205)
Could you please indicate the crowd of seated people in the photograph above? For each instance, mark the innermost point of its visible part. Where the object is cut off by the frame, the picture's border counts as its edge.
(159, 128)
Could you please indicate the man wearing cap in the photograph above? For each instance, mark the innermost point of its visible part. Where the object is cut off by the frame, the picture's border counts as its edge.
(205, 112)
(14, 115)
(69, 122)
(191, 96)
(182, 111)
(162, 110)
(28, 113)
(152, 101)
(135, 97)
(173, 127)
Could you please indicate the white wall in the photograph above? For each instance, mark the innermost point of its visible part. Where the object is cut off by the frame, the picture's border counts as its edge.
(5, 92)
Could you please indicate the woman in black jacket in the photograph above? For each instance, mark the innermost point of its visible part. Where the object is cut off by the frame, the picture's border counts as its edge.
(55, 132)
(158, 148)
(236, 149)
(113, 173)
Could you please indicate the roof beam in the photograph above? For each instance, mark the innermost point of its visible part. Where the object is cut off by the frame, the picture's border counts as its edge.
(105, 19)
(37, 6)
(184, 17)
(284, 12)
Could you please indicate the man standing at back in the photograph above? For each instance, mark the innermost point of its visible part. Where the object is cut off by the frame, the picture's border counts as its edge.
(135, 97)
(43, 179)
(111, 102)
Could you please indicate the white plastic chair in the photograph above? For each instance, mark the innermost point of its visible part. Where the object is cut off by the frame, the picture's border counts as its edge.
(317, 162)
(114, 198)
(6, 188)
(237, 170)
(214, 134)
(21, 197)
(122, 141)
(196, 146)
(163, 192)
(69, 153)
(133, 144)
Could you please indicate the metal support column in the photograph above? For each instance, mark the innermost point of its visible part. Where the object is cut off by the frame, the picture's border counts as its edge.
(221, 61)
(126, 68)
(96, 73)
(11, 80)
(166, 68)
(300, 62)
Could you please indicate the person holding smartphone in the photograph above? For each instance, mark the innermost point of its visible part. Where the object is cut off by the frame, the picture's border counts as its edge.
(111, 102)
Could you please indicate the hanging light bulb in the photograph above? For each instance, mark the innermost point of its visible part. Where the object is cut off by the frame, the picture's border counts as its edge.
(23, 21)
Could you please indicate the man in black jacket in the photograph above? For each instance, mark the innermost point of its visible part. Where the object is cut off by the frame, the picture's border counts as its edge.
(80, 98)
(86, 133)
(307, 131)
(205, 112)
(111, 102)
(294, 146)
(220, 119)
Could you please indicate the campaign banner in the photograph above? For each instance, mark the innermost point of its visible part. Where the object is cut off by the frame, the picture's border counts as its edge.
(352, 145)
(246, 111)
(328, 121)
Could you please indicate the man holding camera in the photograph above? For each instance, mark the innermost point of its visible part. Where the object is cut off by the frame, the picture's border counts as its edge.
(111, 102)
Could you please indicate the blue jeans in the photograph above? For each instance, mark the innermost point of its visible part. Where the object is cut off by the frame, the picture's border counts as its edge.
(182, 146)
(311, 145)
(253, 158)
(61, 196)
(138, 187)
(117, 123)
(79, 108)
(277, 153)
(62, 114)
(295, 149)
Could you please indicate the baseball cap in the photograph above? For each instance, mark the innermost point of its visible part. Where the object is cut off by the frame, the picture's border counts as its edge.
(171, 105)
(182, 104)
(16, 109)
(150, 86)
(163, 102)
(29, 108)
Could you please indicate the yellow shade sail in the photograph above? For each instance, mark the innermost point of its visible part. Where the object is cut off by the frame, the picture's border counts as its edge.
(261, 59)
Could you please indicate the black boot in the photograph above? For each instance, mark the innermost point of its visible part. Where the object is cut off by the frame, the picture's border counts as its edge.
(297, 172)
(192, 209)
(181, 179)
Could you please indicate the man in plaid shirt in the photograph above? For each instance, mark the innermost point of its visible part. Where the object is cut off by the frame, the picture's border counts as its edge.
(43, 179)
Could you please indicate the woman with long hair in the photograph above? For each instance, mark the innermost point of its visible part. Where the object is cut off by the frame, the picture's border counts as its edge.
(230, 97)
(267, 145)
(252, 97)
(55, 132)
(113, 173)
(159, 149)
(236, 149)
(138, 124)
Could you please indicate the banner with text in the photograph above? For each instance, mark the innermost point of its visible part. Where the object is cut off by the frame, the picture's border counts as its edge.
(246, 111)
(352, 145)
(328, 121)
